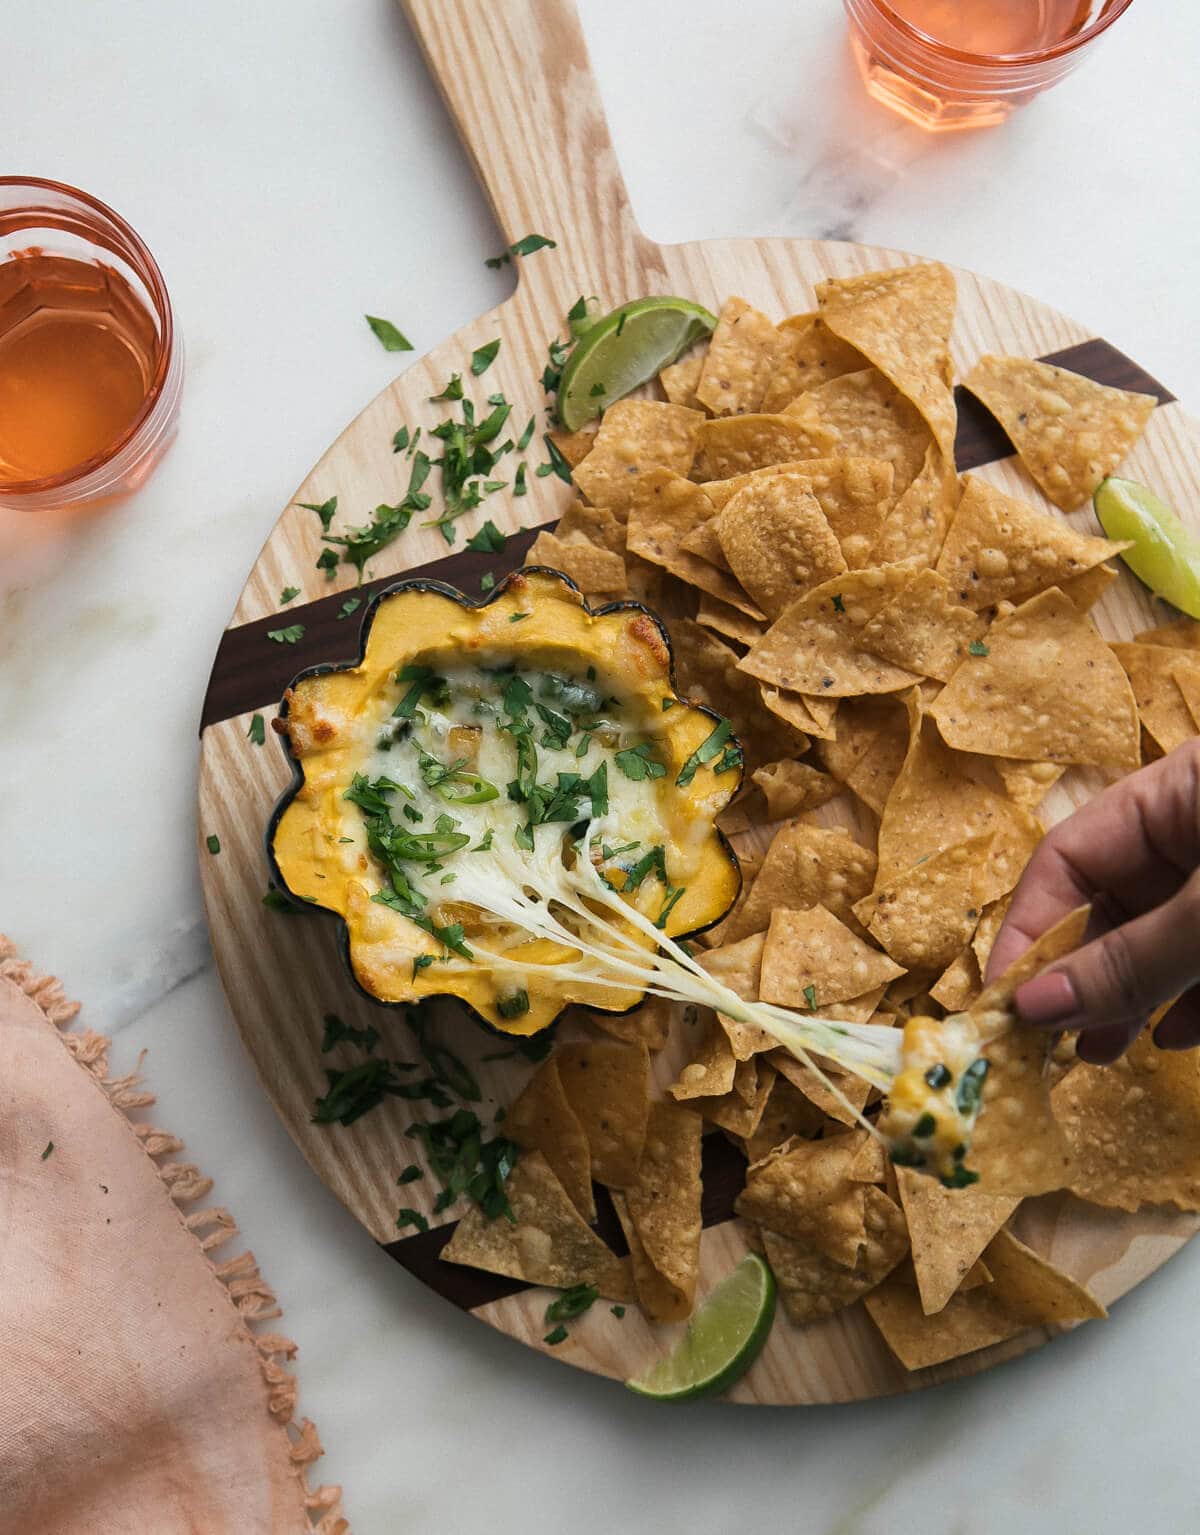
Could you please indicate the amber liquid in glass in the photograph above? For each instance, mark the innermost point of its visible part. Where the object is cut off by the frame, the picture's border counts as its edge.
(997, 26)
(78, 351)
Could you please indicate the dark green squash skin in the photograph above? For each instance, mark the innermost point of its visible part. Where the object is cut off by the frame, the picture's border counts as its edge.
(277, 881)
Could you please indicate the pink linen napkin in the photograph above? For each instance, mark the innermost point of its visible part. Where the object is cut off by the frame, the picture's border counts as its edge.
(139, 1393)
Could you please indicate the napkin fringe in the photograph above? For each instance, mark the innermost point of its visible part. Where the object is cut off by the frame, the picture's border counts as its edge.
(240, 1277)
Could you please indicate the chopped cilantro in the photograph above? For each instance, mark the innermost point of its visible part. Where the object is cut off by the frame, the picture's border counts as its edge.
(387, 335)
(422, 962)
(810, 998)
(288, 594)
(516, 618)
(351, 605)
(513, 1005)
(596, 390)
(408, 1217)
(558, 464)
(525, 246)
(617, 1311)
(573, 1302)
(400, 440)
(637, 763)
(275, 900)
(937, 1076)
(488, 540)
(526, 436)
(961, 1178)
(978, 648)
(925, 1127)
(839, 605)
(337, 1032)
(705, 752)
(668, 703)
(410, 1174)
(359, 544)
(213, 844)
(48, 1150)
(556, 1336)
(289, 636)
(519, 485)
(487, 581)
(467, 1164)
(484, 356)
(258, 730)
(324, 510)
(328, 562)
(453, 390)
(970, 1086)
(359, 1089)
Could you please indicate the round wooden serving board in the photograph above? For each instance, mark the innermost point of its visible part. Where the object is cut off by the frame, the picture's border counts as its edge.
(517, 81)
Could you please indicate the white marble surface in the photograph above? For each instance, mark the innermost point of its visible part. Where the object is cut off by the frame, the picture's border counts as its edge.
(291, 167)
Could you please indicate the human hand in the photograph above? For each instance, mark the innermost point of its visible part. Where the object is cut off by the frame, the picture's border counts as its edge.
(1134, 853)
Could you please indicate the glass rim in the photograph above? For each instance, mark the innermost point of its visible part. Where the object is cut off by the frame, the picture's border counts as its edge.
(148, 270)
(1000, 60)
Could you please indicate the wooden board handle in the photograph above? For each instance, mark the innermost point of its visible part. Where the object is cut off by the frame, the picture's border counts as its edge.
(518, 82)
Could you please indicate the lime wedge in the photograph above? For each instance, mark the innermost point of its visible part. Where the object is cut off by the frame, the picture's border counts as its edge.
(625, 349)
(1165, 555)
(722, 1341)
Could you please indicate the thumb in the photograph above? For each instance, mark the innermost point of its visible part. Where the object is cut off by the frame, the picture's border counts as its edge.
(1109, 988)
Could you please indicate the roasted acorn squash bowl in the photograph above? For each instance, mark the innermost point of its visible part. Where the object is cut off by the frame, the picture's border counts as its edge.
(505, 801)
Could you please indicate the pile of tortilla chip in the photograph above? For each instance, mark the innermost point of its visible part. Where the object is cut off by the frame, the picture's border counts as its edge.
(908, 659)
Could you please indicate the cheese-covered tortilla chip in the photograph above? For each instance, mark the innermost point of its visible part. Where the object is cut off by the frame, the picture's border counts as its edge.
(1133, 1128)
(636, 436)
(778, 542)
(743, 354)
(806, 865)
(660, 1213)
(543, 1120)
(999, 549)
(924, 628)
(812, 1285)
(1068, 430)
(1045, 686)
(901, 319)
(548, 1242)
(608, 1086)
(815, 645)
(811, 960)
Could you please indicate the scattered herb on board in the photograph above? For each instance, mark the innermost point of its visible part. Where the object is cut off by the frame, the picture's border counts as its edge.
(525, 246)
(351, 605)
(389, 338)
(484, 356)
(810, 998)
(48, 1150)
(337, 1032)
(617, 1311)
(573, 1302)
(288, 594)
(327, 561)
(557, 463)
(275, 900)
(466, 1164)
(488, 540)
(407, 1217)
(289, 636)
(410, 1174)
(360, 544)
(213, 843)
(556, 1336)
(487, 581)
(257, 731)
(400, 440)
(325, 510)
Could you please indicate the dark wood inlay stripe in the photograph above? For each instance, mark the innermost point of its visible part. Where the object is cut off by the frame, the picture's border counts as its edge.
(251, 672)
(723, 1172)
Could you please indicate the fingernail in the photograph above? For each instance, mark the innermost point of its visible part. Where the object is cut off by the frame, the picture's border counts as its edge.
(1047, 998)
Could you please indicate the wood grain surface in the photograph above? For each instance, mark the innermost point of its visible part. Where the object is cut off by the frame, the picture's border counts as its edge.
(517, 82)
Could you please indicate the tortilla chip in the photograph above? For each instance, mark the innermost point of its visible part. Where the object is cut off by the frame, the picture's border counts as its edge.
(608, 1086)
(901, 320)
(924, 628)
(1134, 1128)
(812, 355)
(815, 716)
(934, 804)
(1085, 591)
(948, 1229)
(710, 1072)
(634, 437)
(738, 444)
(788, 1112)
(806, 865)
(649, 1025)
(1065, 936)
(542, 1120)
(603, 526)
(1069, 431)
(1028, 783)
(777, 541)
(793, 787)
(737, 966)
(742, 356)
(1187, 680)
(1049, 688)
(660, 1214)
(988, 930)
(924, 917)
(867, 417)
(870, 747)
(706, 672)
(703, 541)
(812, 1285)
(817, 1084)
(853, 493)
(679, 380)
(723, 619)
(959, 984)
(811, 960)
(1182, 634)
(592, 568)
(1034, 1290)
(815, 646)
(550, 1243)
(999, 549)
(805, 1193)
(914, 530)
(1154, 673)
(736, 1113)
(969, 1321)
(663, 507)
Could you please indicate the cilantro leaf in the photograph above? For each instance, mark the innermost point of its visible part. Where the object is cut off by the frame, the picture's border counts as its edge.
(325, 511)
(258, 730)
(488, 540)
(289, 636)
(573, 1302)
(288, 594)
(637, 763)
(407, 1217)
(484, 356)
(351, 605)
(337, 1032)
(705, 752)
(557, 463)
(213, 844)
(525, 246)
(387, 335)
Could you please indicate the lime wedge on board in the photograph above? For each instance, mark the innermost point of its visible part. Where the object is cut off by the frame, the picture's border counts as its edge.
(625, 349)
(1165, 555)
(722, 1341)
